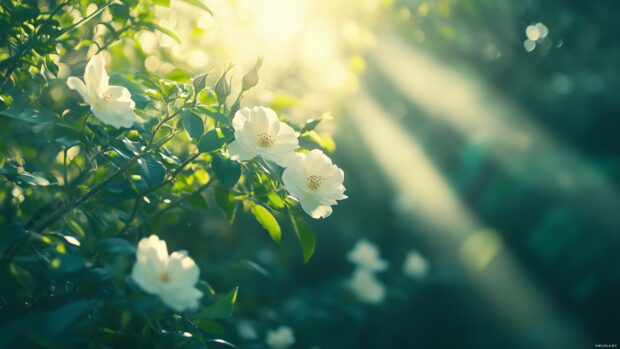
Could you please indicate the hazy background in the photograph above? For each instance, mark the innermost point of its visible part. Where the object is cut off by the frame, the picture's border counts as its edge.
(483, 134)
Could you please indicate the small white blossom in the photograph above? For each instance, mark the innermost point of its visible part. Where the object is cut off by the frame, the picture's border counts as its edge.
(281, 338)
(415, 265)
(171, 277)
(110, 104)
(366, 287)
(366, 255)
(315, 182)
(259, 132)
(246, 331)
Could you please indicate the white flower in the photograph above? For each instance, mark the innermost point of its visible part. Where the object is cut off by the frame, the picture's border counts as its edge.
(366, 287)
(315, 182)
(258, 131)
(366, 255)
(171, 277)
(415, 265)
(110, 104)
(281, 338)
(246, 331)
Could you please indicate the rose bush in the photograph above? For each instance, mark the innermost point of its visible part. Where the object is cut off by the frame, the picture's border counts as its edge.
(88, 176)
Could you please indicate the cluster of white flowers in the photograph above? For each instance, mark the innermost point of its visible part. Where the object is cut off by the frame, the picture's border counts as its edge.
(366, 256)
(311, 178)
(281, 338)
(364, 284)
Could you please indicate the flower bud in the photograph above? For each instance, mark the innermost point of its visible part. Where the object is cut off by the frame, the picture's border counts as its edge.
(222, 87)
(251, 78)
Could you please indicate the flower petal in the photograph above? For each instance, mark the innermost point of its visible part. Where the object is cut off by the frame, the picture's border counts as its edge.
(182, 269)
(79, 86)
(116, 118)
(240, 152)
(95, 76)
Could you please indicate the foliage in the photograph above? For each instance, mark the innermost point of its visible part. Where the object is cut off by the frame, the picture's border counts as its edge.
(77, 195)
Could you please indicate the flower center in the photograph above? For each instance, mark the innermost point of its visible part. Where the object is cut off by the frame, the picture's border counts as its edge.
(164, 277)
(106, 96)
(265, 140)
(314, 182)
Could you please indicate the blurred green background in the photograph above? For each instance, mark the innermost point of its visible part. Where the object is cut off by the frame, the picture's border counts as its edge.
(482, 134)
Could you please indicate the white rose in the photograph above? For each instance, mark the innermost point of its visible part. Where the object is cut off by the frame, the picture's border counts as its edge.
(366, 255)
(281, 338)
(110, 104)
(415, 265)
(259, 132)
(171, 277)
(366, 287)
(315, 182)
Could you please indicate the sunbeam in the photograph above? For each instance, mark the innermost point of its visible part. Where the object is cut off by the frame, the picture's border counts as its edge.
(513, 140)
(451, 229)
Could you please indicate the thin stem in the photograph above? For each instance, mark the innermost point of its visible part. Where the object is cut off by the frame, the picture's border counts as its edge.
(161, 123)
(132, 216)
(85, 19)
(77, 202)
(59, 212)
(179, 201)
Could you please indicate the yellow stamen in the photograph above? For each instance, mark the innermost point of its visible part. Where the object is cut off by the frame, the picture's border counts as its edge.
(265, 140)
(314, 182)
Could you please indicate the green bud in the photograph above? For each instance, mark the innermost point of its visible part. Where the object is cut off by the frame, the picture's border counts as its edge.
(251, 78)
(222, 87)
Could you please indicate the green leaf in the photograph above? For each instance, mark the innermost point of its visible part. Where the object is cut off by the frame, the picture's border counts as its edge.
(58, 320)
(51, 66)
(227, 171)
(197, 200)
(11, 232)
(200, 4)
(116, 246)
(311, 124)
(211, 326)
(210, 141)
(165, 3)
(193, 124)
(229, 134)
(305, 235)
(152, 171)
(222, 308)
(268, 221)
(226, 201)
(170, 33)
(216, 115)
(274, 200)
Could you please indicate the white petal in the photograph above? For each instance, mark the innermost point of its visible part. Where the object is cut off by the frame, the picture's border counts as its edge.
(182, 269)
(95, 76)
(78, 85)
(240, 152)
(145, 278)
(241, 117)
(262, 119)
(120, 93)
(313, 207)
(181, 299)
(112, 117)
